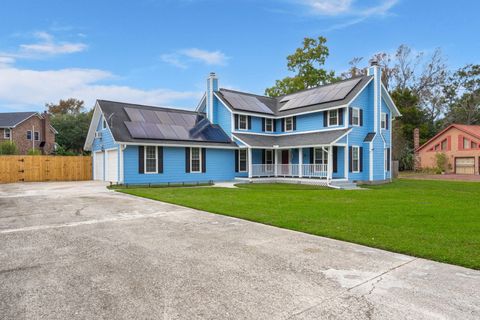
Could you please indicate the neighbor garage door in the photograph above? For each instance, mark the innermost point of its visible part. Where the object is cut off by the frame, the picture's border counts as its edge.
(465, 165)
(112, 165)
(98, 166)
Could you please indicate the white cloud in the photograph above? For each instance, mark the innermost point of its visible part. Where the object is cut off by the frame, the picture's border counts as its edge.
(182, 58)
(24, 89)
(208, 57)
(347, 7)
(329, 7)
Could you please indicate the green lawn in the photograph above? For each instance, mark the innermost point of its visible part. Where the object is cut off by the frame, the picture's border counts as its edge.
(437, 220)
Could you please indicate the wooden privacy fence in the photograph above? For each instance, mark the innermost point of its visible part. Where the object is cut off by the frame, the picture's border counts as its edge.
(45, 168)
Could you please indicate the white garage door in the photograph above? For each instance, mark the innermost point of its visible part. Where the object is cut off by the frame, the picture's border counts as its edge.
(98, 169)
(112, 165)
(465, 165)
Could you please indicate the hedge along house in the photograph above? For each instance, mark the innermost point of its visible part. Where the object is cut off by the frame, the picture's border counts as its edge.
(332, 134)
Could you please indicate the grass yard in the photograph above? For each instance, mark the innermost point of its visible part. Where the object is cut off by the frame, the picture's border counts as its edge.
(438, 220)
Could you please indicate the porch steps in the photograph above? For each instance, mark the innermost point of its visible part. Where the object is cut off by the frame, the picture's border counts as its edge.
(344, 185)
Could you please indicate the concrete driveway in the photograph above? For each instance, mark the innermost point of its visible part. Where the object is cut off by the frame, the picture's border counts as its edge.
(79, 251)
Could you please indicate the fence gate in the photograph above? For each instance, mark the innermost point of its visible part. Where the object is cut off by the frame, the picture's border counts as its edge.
(45, 168)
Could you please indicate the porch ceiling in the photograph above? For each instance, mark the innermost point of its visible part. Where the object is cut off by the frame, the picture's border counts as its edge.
(292, 140)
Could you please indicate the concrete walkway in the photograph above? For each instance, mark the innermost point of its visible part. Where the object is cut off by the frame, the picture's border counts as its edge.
(79, 251)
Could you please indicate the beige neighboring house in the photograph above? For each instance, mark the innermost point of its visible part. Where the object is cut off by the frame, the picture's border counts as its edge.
(28, 130)
(461, 144)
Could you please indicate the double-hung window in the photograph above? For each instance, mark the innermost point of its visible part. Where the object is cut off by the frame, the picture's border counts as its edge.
(29, 135)
(36, 135)
(268, 156)
(268, 125)
(466, 143)
(444, 145)
(333, 118)
(356, 159)
(104, 124)
(195, 160)
(320, 159)
(355, 116)
(242, 122)
(242, 160)
(288, 124)
(151, 156)
(383, 121)
(6, 133)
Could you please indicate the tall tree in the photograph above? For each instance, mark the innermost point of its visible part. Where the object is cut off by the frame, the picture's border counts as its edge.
(308, 64)
(69, 106)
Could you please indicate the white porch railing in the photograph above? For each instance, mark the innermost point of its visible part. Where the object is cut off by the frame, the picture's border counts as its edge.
(290, 170)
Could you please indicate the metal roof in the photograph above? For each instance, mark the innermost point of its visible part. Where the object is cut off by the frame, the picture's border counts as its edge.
(314, 99)
(149, 124)
(291, 140)
(11, 119)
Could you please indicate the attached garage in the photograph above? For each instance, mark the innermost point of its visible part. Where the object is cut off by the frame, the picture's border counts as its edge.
(98, 166)
(112, 166)
(465, 165)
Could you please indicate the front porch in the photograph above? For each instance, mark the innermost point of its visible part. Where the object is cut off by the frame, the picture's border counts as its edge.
(312, 165)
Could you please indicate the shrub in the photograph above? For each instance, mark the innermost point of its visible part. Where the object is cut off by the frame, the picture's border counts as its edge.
(442, 162)
(34, 152)
(8, 148)
(61, 151)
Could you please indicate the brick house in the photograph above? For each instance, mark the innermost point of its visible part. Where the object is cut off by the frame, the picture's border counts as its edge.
(28, 130)
(461, 144)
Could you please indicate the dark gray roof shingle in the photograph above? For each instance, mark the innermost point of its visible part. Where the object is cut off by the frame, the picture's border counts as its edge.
(11, 119)
(292, 140)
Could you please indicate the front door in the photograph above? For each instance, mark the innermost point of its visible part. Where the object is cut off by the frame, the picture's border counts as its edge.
(285, 162)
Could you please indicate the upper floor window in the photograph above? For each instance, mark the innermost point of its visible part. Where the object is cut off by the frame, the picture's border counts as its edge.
(288, 124)
(195, 160)
(104, 124)
(444, 144)
(383, 121)
(29, 135)
(466, 143)
(7, 133)
(333, 118)
(474, 145)
(36, 135)
(355, 116)
(269, 125)
(242, 122)
(151, 154)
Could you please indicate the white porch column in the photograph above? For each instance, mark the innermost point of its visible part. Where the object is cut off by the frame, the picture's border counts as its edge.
(275, 167)
(249, 159)
(330, 163)
(300, 162)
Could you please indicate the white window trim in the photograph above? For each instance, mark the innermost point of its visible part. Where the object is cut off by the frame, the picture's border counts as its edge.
(31, 135)
(38, 135)
(271, 124)
(383, 121)
(239, 122)
(358, 159)
(145, 160)
(5, 133)
(385, 162)
(285, 124)
(328, 119)
(104, 124)
(353, 117)
(269, 151)
(199, 160)
(239, 161)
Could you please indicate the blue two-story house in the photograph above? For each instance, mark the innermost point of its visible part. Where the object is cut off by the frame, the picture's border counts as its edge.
(331, 135)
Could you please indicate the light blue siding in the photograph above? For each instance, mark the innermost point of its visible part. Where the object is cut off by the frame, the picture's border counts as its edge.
(223, 117)
(220, 166)
(340, 163)
(386, 133)
(378, 158)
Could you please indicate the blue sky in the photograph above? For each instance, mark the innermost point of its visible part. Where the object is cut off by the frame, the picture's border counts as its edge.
(160, 52)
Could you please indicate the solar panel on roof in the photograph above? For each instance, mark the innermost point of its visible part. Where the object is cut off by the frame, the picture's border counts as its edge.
(134, 114)
(152, 131)
(149, 116)
(136, 130)
(164, 117)
(246, 102)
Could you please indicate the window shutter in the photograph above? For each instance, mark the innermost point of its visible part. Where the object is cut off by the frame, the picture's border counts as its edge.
(386, 121)
(249, 119)
(312, 150)
(294, 120)
(263, 156)
(350, 116)
(263, 124)
(187, 160)
(141, 159)
(335, 157)
(388, 159)
(350, 159)
(340, 117)
(360, 156)
(160, 159)
(236, 160)
(361, 117)
(204, 160)
(325, 118)
(274, 125)
(283, 124)
(236, 121)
